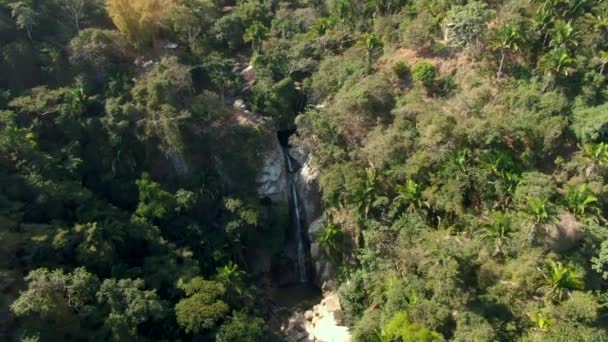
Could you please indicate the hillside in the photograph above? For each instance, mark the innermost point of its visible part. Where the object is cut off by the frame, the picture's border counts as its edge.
(321, 170)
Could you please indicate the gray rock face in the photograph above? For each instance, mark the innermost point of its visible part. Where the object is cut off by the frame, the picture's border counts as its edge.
(307, 183)
(324, 268)
(272, 178)
(179, 163)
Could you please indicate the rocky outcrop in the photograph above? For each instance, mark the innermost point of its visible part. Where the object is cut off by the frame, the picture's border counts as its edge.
(308, 185)
(324, 268)
(321, 324)
(272, 178)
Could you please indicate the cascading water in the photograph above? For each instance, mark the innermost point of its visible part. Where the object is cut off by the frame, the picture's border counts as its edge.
(301, 252)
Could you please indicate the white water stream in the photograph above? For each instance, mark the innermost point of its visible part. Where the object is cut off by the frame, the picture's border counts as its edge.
(303, 274)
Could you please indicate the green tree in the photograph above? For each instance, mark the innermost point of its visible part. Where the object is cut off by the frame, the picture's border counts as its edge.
(561, 278)
(25, 15)
(601, 59)
(234, 281)
(154, 202)
(556, 62)
(257, 33)
(203, 307)
(373, 43)
(506, 38)
(499, 228)
(563, 35)
(242, 327)
(129, 305)
(580, 199)
(49, 292)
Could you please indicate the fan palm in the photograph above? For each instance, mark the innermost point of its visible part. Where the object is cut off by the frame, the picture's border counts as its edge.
(506, 38)
(596, 154)
(499, 228)
(563, 34)
(409, 195)
(601, 59)
(557, 62)
(256, 34)
(580, 199)
(372, 44)
(562, 278)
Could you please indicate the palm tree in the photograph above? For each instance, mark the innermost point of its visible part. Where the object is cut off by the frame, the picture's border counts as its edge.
(330, 239)
(563, 34)
(557, 62)
(499, 228)
(596, 154)
(24, 15)
(233, 278)
(366, 197)
(506, 38)
(256, 34)
(602, 60)
(372, 44)
(540, 212)
(561, 279)
(409, 195)
(322, 25)
(541, 319)
(580, 199)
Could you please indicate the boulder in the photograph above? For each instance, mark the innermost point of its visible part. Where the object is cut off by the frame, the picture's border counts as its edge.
(248, 74)
(566, 233)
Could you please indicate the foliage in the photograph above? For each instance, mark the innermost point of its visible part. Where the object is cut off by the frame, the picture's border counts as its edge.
(202, 307)
(468, 203)
(401, 69)
(589, 124)
(462, 25)
(580, 199)
(425, 73)
(562, 278)
(600, 263)
(242, 327)
(399, 328)
(139, 20)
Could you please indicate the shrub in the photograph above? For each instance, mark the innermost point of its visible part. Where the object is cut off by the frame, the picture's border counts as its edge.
(401, 70)
(425, 73)
(401, 329)
(463, 24)
(242, 328)
(591, 124)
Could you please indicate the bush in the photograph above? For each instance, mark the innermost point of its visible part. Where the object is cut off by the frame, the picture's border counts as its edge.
(463, 24)
(242, 328)
(591, 124)
(426, 73)
(401, 70)
(368, 328)
(401, 329)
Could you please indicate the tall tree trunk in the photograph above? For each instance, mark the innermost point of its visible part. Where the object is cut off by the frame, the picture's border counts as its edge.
(602, 69)
(502, 61)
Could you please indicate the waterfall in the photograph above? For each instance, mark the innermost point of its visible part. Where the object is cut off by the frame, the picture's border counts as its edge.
(299, 234)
